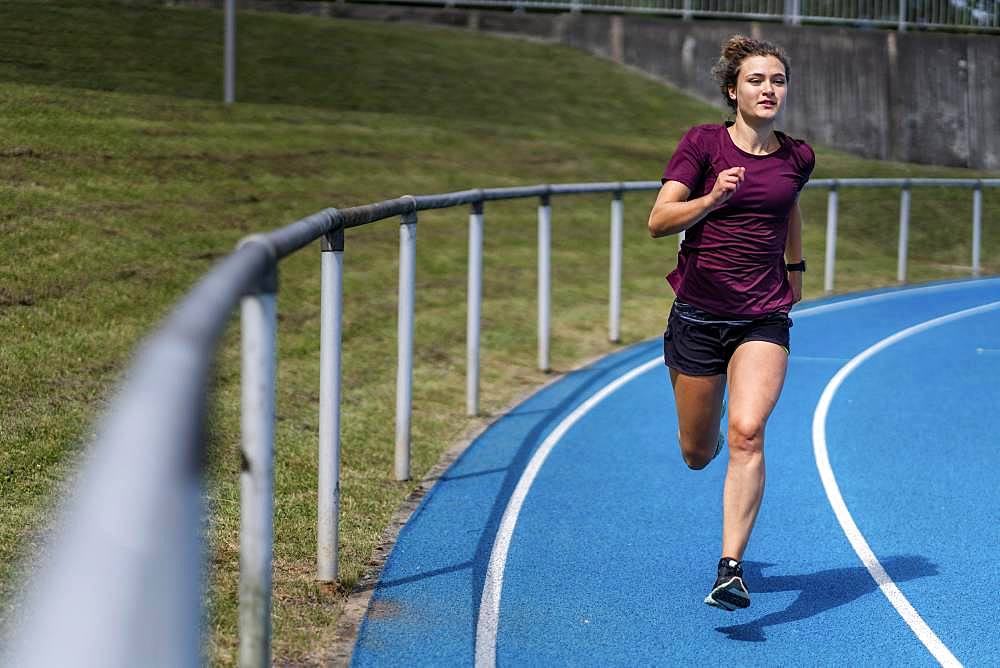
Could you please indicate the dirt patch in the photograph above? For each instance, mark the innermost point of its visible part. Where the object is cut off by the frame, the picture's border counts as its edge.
(382, 609)
(8, 299)
(19, 152)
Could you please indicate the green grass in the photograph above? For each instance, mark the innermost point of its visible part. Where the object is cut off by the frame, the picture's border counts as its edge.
(122, 179)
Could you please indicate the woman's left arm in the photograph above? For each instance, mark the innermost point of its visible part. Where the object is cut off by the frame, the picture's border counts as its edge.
(793, 250)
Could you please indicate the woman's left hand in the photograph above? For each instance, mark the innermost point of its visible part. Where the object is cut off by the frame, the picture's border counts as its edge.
(795, 278)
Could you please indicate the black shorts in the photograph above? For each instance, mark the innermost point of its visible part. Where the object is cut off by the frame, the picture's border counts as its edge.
(697, 343)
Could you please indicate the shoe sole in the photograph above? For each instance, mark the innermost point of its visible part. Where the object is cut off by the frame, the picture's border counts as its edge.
(729, 596)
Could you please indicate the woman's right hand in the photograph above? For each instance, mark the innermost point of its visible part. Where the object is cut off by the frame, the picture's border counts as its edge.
(727, 183)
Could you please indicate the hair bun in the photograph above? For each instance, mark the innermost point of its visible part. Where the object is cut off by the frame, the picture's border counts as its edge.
(736, 46)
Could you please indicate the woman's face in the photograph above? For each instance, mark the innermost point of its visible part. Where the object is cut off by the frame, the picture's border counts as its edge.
(760, 87)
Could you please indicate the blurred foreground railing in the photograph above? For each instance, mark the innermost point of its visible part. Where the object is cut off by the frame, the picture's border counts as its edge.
(124, 582)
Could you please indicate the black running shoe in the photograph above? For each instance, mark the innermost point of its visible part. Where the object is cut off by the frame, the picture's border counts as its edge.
(729, 592)
(722, 431)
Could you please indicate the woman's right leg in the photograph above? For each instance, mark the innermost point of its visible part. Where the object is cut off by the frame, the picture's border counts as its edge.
(699, 409)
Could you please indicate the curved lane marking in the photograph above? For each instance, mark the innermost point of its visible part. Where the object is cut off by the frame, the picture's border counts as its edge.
(489, 606)
(854, 535)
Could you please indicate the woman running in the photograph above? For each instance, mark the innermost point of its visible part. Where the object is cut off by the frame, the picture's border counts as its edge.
(733, 189)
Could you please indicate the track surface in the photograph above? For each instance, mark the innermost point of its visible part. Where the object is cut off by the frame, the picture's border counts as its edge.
(571, 532)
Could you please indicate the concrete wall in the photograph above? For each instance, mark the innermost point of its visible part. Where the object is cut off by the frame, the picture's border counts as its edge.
(930, 98)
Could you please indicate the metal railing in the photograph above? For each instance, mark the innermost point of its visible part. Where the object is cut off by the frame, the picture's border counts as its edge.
(137, 512)
(899, 14)
(905, 186)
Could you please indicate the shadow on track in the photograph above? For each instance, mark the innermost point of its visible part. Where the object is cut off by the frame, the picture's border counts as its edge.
(821, 591)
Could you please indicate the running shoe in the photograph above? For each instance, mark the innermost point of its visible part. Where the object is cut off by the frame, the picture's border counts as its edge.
(729, 592)
(722, 431)
(718, 445)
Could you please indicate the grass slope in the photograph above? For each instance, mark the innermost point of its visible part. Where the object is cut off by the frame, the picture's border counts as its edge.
(122, 179)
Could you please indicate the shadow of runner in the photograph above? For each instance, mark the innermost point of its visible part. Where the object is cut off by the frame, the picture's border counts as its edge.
(821, 591)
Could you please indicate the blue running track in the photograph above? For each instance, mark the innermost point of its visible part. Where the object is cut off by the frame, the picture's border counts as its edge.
(571, 532)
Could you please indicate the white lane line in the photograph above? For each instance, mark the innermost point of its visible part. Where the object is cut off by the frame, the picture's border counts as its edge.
(489, 606)
(882, 296)
(854, 535)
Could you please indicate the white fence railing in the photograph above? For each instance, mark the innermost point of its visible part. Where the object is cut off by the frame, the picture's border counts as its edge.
(136, 514)
(973, 15)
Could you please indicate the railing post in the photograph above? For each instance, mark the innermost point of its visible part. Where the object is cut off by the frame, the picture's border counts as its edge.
(977, 226)
(901, 26)
(544, 279)
(904, 231)
(687, 15)
(474, 308)
(229, 84)
(831, 239)
(614, 305)
(792, 12)
(404, 369)
(259, 332)
(328, 487)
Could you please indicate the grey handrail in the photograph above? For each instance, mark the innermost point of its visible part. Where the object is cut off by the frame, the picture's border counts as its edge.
(123, 583)
(902, 15)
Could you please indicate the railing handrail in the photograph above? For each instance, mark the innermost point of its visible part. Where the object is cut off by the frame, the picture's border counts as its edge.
(903, 182)
(901, 15)
(137, 512)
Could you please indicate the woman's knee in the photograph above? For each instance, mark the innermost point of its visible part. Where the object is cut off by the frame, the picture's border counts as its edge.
(697, 453)
(746, 435)
(696, 461)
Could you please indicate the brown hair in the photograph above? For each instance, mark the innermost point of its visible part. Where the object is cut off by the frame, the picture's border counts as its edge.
(734, 51)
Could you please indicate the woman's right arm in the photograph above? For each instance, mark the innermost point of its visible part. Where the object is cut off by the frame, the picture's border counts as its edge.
(673, 212)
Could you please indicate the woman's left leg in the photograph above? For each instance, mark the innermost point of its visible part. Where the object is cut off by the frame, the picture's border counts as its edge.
(756, 375)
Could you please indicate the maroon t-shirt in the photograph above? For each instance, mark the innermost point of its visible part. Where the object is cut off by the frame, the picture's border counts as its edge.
(732, 261)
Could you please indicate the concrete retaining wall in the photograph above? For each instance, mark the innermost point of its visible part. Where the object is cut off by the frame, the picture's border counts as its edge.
(930, 98)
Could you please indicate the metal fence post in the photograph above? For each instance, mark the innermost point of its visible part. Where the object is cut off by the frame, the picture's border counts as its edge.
(831, 239)
(259, 330)
(474, 308)
(404, 369)
(977, 226)
(328, 473)
(614, 305)
(904, 231)
(229, 94)
(901, 26)
(792, 12)
(544, 279)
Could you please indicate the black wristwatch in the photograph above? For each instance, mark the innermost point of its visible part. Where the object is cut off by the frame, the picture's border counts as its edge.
(797, 266)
